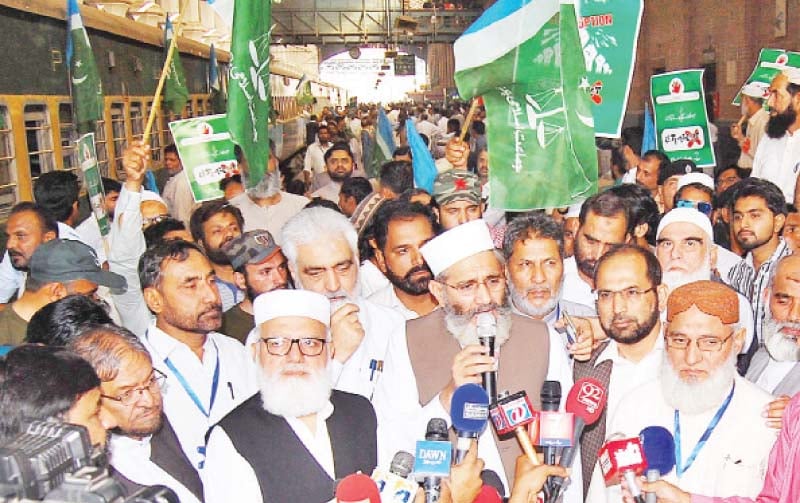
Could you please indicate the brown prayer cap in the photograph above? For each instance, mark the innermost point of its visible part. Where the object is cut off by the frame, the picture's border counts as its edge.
(710, 297)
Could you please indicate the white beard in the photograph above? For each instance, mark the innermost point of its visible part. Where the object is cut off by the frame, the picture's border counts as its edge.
(267, 186)
(674, 279)
(466, 332)
(295, 396)
(521, 302)
(692, 397)
(780, 347)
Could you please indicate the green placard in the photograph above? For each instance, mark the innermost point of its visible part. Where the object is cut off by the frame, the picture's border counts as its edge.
(87, 160)
(206, 151)
(609, 31)
(679, 107)
(770, 62)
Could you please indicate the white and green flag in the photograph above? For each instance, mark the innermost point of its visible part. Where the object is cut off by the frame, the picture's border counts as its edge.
(524, 58)
(87, 90)
(679, 107)
(770, 63)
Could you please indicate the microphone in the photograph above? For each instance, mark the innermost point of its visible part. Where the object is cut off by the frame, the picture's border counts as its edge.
(357, 488)
(623, 458)
(586, 400)
(487, 330)
(490, 478)
(513, 413)
(394, 486)
(433, 457)
(550, 397)
(469, 411)
(488, 494)
(659, 451)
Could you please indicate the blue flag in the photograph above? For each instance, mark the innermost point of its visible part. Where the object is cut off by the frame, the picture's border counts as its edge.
(649, 138)
(424, 167)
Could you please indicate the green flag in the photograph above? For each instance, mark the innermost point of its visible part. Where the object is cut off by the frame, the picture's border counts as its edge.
(770, 63)
(87, 90)
(248, 92)
(176, 94)
(304, 96)
(524, 57)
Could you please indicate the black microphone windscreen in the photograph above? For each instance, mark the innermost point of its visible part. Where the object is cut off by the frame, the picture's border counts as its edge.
(551, 395)
(437, 430)
(491, 478)
(402, 464)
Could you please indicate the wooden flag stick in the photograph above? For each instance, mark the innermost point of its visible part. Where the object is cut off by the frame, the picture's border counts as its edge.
(468, 120)
(173, 44)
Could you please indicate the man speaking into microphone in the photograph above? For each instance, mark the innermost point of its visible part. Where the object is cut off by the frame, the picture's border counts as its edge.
(443, 350)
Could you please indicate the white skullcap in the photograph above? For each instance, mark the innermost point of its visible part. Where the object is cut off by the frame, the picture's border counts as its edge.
(285, 303)
(457, 244)
(793, 74)
(574, 210)
(686, 215)
(756, 90)
(701, 178)
(149, 195)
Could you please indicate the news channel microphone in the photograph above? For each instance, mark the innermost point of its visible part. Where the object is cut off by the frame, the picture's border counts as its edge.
(394, 485)
(659, 451)
(357, 488)
(487, 330)
(513, 414)
(550, 396)
(469, 412)
(586, 401)
(623, 458)
(432, 459)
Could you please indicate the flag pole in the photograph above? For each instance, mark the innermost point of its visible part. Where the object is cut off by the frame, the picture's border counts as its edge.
(164, 71)
(472, 108)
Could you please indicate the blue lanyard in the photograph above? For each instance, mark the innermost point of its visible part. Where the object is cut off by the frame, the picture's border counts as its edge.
(679, 469)
(189, 391)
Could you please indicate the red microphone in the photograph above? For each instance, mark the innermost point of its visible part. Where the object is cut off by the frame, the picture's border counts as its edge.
(513, 413)
(586, 400)
(488, 494)
(357, 488)
(623, 458)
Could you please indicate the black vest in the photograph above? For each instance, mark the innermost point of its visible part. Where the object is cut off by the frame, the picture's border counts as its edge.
(285, 469)
(166, 453)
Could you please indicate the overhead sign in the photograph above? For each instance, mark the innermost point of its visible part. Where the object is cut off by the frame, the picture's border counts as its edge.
(405, 65)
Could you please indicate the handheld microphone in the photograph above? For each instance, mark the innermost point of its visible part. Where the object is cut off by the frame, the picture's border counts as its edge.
(623, 458)
(586, 400)
(432, 460)
(394, 486)
(659, 450)
(469, 411)
(513, 413)
(491, 478)
(550, 397)
(488, 494)
(357, 488)
(487, 330)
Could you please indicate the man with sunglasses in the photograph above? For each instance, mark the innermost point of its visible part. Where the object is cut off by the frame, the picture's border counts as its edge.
(291, 441)
(722, 442)
(144, 448)
(695, 190)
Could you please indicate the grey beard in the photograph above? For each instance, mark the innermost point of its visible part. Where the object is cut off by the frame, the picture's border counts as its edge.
(295, 396)
(779, 347)
(520, 301)
(697, 397)
(465, 332)
(267, 186)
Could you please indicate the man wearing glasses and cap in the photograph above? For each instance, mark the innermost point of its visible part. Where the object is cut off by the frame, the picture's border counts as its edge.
(291, 441)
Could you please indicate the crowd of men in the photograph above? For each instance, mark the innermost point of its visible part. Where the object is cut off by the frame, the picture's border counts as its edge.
(263, 346)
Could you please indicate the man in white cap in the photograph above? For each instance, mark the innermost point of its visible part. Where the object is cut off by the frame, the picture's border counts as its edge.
(441, 350)
(778, 156)
(752, 97)
(291, 441)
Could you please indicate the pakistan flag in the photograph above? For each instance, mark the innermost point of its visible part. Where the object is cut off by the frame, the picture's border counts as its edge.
(87, 90)
(524, 57)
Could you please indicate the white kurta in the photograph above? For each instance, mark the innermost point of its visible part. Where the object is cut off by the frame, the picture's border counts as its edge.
(236, 383)
(575, 289)
(269, 218)
(178, 196)
(315, 158)
(370, 279)
(329, 192)
(387, 297)
(778, 160)
(733, 460)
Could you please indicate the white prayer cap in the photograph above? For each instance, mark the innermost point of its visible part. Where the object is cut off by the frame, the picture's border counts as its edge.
(285, 303)
(574, 210)
(457, 244)
(701, 178)
(686, 215)
(793, 74)
(756, 90)
(149, 195)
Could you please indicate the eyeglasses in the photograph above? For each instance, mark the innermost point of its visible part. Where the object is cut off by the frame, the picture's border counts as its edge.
(701, 206)
(470, 288)
(132, 396)
(147, 222)
(281, 346)
(707, 344)
(629, 294)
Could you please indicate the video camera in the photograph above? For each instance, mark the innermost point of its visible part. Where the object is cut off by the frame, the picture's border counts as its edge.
(55, 462)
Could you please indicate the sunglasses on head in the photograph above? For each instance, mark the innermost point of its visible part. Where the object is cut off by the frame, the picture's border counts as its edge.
(700, 206)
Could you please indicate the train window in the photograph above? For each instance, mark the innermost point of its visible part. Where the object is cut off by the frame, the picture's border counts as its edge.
(155, 132)
(119, 136)
(8, 166)
(69, 136)
(137, 120)
(39, 139)
(189, 110)
(101, 145)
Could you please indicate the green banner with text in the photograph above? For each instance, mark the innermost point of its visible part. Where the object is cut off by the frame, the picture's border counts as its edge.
(770, 62)
(87, 160)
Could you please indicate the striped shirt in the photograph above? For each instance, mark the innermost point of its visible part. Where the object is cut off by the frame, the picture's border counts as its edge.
(751, 283)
